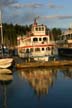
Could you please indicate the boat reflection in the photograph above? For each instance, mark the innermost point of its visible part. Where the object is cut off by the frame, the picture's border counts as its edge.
(6, 78)
(67, 71)
(39, 79)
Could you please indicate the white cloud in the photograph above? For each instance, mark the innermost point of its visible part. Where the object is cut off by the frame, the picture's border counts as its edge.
(35, 5)
(57, 17)
(31, 5)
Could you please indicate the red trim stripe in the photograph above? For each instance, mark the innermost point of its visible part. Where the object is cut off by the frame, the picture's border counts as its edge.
(36, 46)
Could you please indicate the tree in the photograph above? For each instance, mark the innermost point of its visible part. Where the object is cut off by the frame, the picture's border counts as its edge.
(56, 32)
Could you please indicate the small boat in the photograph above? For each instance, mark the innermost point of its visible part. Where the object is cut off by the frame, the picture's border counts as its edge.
(5, 62)
(37, 45)
(5, 71)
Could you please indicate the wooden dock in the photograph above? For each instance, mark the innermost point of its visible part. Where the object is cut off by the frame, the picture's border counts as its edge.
(44, 64)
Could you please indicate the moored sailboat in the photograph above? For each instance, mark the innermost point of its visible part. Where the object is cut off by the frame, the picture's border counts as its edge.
(5, 62)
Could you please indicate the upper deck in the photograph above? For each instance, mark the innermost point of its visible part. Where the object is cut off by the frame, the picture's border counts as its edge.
(37, 36)
(38, 29)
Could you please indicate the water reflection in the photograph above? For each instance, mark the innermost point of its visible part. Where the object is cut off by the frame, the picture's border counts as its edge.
(37, 88)
(39, 79)
(67, 71)
(5, 79)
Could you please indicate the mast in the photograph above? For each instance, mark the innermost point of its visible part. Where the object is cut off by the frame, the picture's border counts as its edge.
(1, 27)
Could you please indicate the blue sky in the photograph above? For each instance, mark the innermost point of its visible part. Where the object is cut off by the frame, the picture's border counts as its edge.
(53, 13)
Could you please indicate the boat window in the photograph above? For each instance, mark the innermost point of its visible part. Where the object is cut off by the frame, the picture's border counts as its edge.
(42, 28)
(42, 49)
(35, 39)
(44, 39)
(21, 51)
(48, 48)
(52, 47)
(68, 36)
(27, 51)
(39, 39)
(71, 36)
(31, 50)
(42, 42)
(37, 49)
(39, 28)
(36, 29)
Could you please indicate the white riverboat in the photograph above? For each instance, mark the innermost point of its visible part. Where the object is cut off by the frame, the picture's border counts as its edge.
(37, 44)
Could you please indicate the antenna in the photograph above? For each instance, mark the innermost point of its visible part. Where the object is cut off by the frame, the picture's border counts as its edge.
(1, 27)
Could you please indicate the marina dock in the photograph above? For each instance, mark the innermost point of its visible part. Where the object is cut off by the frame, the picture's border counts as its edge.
(44, 64)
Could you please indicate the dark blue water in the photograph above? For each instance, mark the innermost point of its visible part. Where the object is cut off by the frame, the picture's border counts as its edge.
(38, 88)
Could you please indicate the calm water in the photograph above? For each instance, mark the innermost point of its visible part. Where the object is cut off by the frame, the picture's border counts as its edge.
(37, 88)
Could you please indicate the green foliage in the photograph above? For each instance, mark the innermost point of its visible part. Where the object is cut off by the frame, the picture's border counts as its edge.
(56, 32)
(10, 33)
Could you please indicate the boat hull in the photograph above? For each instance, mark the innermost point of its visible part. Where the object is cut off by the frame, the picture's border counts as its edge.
(38, 56)
(65, 52)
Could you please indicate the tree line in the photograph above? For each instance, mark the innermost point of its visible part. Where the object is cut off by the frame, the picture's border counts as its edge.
(10, 32)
